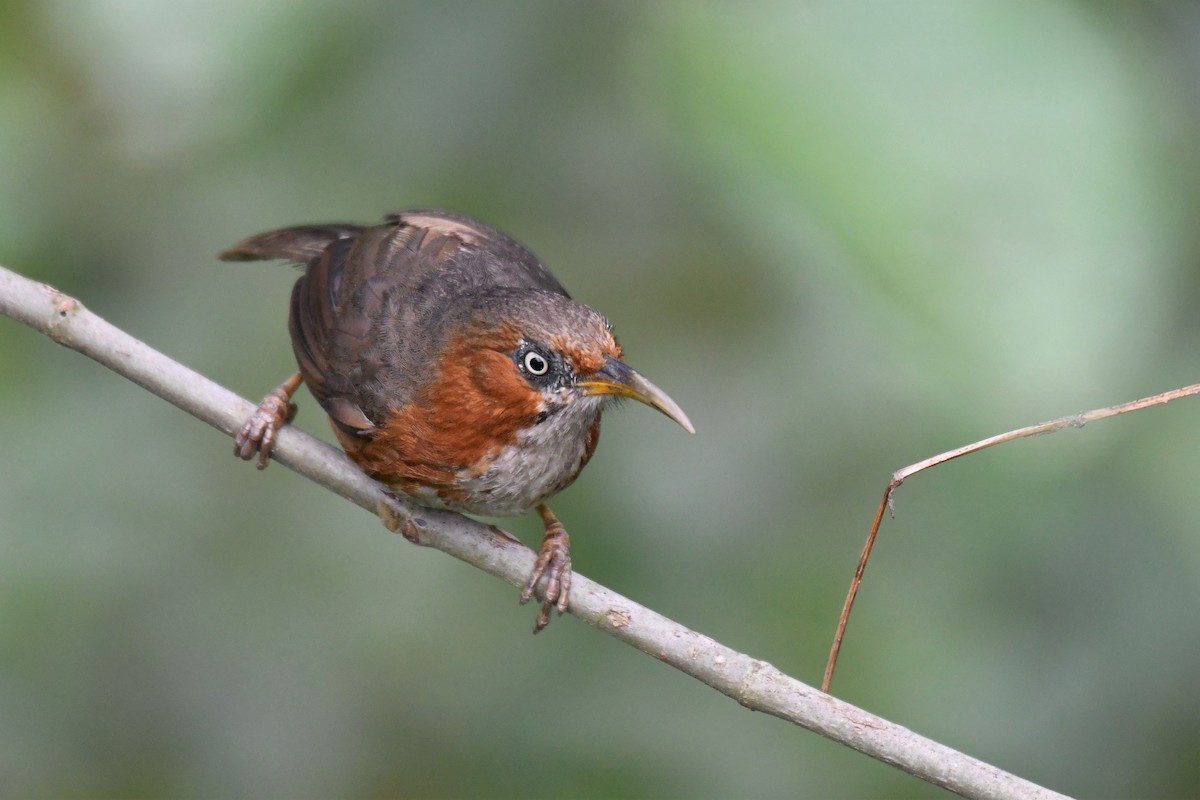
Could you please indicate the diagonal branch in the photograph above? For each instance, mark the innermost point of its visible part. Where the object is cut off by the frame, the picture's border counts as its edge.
(751, 682)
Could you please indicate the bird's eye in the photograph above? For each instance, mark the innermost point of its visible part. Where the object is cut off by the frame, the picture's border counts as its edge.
(535, 363)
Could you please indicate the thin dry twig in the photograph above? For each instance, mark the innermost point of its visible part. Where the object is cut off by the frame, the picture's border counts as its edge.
(755, 684)
(901, 475)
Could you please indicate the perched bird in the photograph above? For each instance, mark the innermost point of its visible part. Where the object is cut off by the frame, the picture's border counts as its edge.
(453, 366)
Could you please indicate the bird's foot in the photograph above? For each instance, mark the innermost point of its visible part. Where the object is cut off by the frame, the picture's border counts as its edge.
(553, 561)
(259, 431)
(399, 522)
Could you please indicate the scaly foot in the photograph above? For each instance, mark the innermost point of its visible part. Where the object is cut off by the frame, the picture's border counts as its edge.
(258, 433)
(553, 561)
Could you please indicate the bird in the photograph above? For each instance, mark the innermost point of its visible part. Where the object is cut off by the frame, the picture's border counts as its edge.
(454, 367)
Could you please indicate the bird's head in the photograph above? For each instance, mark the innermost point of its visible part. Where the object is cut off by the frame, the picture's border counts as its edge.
(548, 358)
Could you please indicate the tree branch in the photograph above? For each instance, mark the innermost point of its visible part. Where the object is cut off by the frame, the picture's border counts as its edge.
(755, 684)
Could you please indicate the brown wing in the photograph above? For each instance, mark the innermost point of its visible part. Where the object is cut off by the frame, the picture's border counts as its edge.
(469, 253)
(368, 315)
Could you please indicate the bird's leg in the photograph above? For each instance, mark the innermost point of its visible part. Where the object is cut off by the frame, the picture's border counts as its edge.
(553, 561)
(258, 433)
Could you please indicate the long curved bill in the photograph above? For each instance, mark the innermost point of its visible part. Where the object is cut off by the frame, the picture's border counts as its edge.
(618, 378)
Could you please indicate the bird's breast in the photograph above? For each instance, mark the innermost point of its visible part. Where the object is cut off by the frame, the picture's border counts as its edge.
(545, 459)
(457, 456)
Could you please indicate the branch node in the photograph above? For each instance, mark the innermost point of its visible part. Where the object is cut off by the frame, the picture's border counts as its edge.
(66, 308)
(746, 690)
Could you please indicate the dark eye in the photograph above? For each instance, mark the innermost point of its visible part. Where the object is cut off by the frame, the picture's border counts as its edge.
(535, 363)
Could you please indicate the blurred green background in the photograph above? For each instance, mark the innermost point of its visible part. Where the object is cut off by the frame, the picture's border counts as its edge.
(844, 236)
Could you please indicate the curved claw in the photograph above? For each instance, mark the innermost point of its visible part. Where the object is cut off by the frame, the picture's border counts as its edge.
(554, 562)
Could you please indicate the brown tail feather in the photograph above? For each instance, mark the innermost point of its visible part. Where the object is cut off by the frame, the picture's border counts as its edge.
(299, 245)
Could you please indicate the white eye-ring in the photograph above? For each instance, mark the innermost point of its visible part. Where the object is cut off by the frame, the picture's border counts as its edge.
(536, 363)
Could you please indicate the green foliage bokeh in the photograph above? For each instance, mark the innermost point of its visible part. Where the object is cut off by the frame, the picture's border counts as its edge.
(844, 236)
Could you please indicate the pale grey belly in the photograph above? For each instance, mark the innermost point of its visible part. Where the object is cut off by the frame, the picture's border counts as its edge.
(545, 460)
